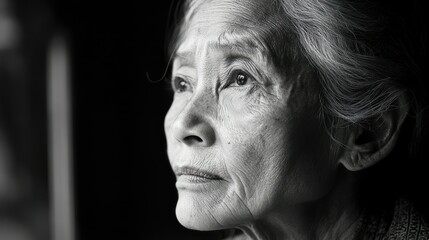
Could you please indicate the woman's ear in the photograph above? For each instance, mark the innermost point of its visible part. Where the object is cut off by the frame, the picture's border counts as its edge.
(365, 147)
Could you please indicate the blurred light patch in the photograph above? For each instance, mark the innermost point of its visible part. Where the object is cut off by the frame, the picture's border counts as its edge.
(8, 27)
(60, 140)
(8, 32)
(24, 173)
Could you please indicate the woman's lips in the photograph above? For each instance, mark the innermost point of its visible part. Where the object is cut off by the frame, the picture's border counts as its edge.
(194, 175)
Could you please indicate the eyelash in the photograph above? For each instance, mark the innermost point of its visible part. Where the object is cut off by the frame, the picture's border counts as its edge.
(238, 75)
(180, 84)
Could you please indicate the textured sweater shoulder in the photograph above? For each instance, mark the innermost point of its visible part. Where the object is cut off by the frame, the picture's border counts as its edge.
(404, 223)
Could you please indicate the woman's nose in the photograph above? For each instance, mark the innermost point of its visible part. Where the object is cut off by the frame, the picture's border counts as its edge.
(193, 129)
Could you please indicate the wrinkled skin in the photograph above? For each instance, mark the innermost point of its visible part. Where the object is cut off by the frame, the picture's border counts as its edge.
(262, 137)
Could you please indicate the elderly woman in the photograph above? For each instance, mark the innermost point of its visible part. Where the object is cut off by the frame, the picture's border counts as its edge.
(280, 108)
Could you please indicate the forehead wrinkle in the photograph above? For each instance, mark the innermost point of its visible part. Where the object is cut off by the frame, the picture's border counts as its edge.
(251, 12)
(234, 38)
(237, 43)
(240, 43)
(240, 25)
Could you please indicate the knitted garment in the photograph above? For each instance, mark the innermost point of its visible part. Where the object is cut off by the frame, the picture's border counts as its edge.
(404, 224)
(399, 222)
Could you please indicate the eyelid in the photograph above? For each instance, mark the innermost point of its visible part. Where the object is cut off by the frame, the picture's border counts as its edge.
(253, 69)
(176, 77)
(247, 62)
(184, 72)
(230, 77)
(247, 66)
(234, 70)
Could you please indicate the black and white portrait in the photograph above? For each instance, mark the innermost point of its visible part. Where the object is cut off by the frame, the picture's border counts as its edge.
(213, 119)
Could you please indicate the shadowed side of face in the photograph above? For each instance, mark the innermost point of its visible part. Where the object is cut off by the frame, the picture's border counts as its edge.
(243, 140)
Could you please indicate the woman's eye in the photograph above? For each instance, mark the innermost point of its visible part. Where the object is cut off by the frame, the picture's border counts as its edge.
(180, 85)
(239, 79)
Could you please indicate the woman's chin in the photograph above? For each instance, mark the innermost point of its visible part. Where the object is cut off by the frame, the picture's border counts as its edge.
(198, 206)
(192, 215)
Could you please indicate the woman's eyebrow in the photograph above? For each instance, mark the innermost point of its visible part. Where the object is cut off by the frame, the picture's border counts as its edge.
(236, 47)
(248, 62)
(240, 45)
(184, 58)
(231, 58)
(233, 45)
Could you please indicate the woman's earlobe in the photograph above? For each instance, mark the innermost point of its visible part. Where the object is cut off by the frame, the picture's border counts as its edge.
(365, 147)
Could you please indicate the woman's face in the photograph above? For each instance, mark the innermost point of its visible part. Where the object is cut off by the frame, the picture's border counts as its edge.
(243, 140)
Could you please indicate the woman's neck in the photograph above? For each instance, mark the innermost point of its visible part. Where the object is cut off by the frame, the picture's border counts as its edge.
(336, 216)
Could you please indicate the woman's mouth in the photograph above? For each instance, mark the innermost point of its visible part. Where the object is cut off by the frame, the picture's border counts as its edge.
(189, 177)
(196, 175)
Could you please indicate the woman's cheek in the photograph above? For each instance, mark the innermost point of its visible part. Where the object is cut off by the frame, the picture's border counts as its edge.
(247, 125)
(245, 104)
(247, 118)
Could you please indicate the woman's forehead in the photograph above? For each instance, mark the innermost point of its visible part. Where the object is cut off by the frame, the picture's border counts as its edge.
(224, 41)
(244, 13)
(226, 24)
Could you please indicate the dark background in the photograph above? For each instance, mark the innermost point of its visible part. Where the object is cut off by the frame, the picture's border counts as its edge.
(124, 184)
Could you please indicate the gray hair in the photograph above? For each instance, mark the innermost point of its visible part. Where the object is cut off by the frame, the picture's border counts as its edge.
(358, 82)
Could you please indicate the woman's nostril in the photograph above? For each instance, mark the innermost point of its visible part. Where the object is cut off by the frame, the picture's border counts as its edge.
(192, 138)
